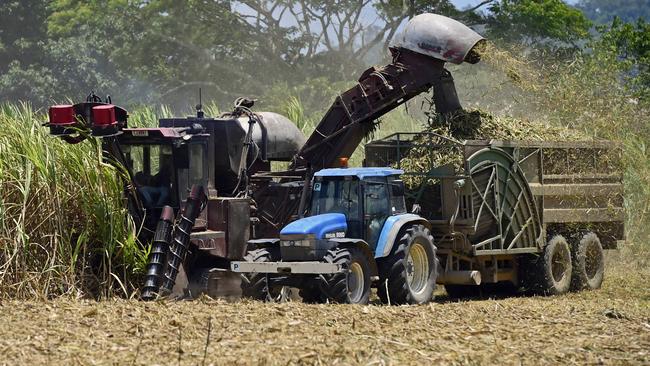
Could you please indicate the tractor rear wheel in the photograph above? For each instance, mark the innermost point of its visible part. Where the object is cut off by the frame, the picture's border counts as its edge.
(352, 286)
(588, 263)
(408, 275)
(553, 272)
(256, 285)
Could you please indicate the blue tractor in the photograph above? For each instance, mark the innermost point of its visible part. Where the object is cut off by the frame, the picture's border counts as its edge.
(357, 235)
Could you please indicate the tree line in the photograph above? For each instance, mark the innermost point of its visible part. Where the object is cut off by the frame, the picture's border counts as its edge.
(163, 51)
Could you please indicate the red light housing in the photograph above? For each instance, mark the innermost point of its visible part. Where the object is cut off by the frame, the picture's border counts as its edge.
(62, 115)
(104, 116)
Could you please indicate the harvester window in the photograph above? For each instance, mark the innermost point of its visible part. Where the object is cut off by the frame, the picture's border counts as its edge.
(195, 172)
(152, 167)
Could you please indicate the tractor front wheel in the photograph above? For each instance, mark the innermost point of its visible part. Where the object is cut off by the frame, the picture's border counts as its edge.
(352, 286)
(257, 285)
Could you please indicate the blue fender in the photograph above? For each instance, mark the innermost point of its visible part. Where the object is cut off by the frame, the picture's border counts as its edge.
(391, 228)
(318, 225)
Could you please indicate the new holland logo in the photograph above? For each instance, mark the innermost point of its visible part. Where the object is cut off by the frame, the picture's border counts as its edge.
(339, 234)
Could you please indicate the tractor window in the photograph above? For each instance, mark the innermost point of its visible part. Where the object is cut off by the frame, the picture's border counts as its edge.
(338, 196)
(332, 196)
(396, 196)
(376, 210)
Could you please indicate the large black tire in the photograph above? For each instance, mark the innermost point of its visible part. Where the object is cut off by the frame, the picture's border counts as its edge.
(588, 263)
(462, 291)
(553, 268)
(352, 286)
(408, 275)
(312, 295)
(256, 285)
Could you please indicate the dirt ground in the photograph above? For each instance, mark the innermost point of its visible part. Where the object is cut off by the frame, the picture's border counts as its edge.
(608, 326)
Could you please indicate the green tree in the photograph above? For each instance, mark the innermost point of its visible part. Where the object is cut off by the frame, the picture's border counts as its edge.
(40, 69)
(164, 50)
(604, 11)
(550, 23)
(629, 44)
(22, 31)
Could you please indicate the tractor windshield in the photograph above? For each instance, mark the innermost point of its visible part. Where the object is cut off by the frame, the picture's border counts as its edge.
(152, 166)
(336, 196)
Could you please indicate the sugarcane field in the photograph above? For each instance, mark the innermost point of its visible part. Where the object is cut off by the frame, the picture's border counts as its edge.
(461, 182)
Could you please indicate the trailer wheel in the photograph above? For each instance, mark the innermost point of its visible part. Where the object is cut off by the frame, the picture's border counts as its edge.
(588, 263)
(553, 272)
(408, 275)
(352, 286)
(256, 285)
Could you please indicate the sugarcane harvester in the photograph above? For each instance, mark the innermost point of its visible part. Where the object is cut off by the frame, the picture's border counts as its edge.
(186, 182)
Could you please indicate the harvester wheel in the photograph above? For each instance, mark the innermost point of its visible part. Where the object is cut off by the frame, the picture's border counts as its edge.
(352, 286)
(588, 263)
(553, 272)
(408, 275)
(256, 285)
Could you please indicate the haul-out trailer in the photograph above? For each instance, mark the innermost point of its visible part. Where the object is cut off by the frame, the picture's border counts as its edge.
(513, 214)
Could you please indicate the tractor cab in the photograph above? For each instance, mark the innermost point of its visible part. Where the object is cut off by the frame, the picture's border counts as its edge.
(367, 197)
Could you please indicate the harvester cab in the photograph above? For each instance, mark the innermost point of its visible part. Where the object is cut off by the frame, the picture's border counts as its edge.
(163, 164)
(357, 234)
